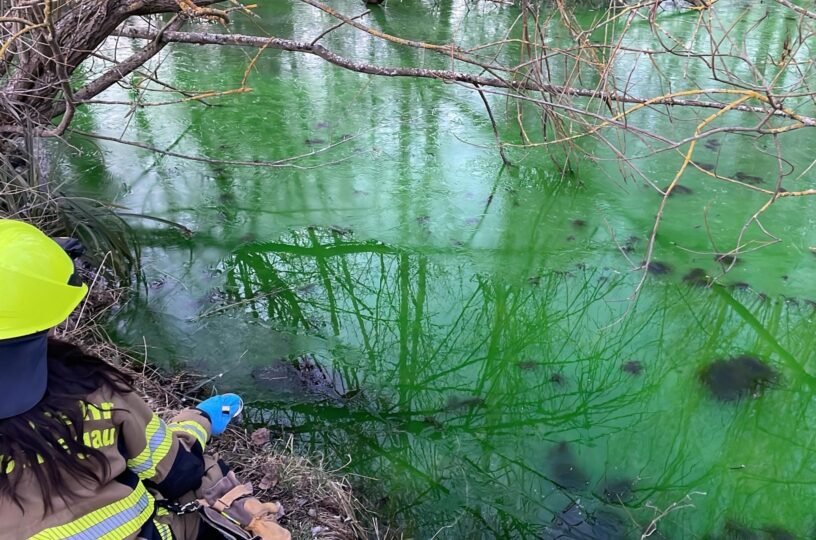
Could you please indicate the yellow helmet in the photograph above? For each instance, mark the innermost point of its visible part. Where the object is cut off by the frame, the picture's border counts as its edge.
(34, 273)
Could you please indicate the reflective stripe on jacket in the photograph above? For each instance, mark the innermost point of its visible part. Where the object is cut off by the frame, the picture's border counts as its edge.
(146, 457)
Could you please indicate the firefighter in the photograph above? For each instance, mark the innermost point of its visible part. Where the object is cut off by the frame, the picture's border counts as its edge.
(82, 456)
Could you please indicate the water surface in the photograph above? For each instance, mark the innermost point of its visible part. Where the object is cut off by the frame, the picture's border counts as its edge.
(462, 331)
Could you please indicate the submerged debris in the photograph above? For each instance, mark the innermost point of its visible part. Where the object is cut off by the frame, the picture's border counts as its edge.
(697, 277)
(737, 531)
(527, 365)
(633, 367)
(304, 374)
(629, 246)
(564, 470)
(737, 377)
(749, 179)
(557, 378)
(463, 402)
(726, 258)
(680, 190)
(579, 223)
(775, 532)
(658, 268)
(576, 522)
(618, 490)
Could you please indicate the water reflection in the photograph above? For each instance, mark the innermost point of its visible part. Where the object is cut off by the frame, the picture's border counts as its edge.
(516, 405)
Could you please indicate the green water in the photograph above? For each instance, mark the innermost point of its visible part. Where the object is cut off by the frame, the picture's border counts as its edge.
(468, 318)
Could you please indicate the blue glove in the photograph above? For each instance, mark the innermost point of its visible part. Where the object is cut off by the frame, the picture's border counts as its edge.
(221, 409)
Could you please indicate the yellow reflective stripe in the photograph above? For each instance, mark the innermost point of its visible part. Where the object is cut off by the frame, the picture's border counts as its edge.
(115, 521)
(193, 428)
(159, 441)
(164, 531)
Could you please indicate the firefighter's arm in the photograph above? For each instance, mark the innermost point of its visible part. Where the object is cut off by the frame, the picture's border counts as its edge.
(169, 456)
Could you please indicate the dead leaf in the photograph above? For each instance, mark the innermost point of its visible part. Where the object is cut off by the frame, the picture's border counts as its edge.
(260, 436)
(269, 481)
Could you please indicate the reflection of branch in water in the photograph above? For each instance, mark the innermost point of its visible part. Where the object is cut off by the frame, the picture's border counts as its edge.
(429, 335)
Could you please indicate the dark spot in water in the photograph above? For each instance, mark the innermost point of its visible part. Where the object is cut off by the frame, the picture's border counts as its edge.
(579, 223)
(557, 378)
(740, 285)
(430, 420)
(726, 258)
(780, 189)
(157, 283)
(785, 277)
(629, 246)
(712, 144)
(534, 280)
(322, 125)
(658, 268)
(706, 166)
(570, 238)
(489, 199)
(313, 142)
(527, 365)
(697, 277)
(748, 178)
(810, 303)
(564, 470)
(737, 531)
(458, 243)
(303, 375)
(762, 297)
(463, 402)
(422, 219)
(633, 367)
(680, 190)
(618, 490)
(737, 377)
(226, 197)
(775, 532)
(575, 522)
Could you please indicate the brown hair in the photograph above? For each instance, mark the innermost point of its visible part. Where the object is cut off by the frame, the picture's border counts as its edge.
(48, 438)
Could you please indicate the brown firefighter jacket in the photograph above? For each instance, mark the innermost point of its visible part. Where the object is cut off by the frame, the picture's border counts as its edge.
(143, 452)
